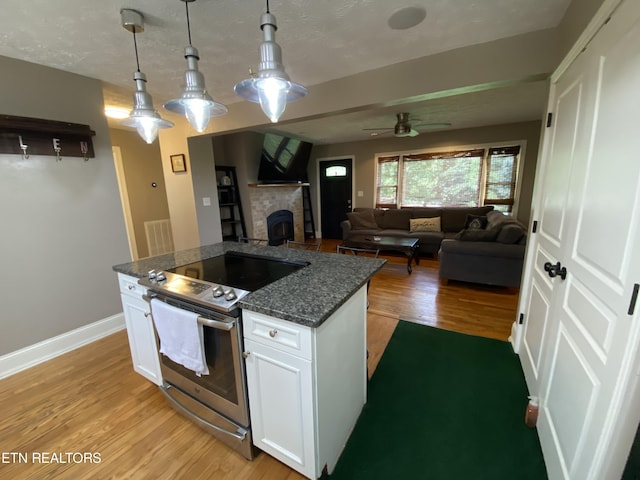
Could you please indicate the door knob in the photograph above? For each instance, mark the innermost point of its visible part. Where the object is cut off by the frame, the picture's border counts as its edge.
(555, 270)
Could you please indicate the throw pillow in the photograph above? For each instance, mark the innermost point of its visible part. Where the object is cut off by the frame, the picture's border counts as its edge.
(477, 235)
(475, 222)
(362, 220)
(424, 224)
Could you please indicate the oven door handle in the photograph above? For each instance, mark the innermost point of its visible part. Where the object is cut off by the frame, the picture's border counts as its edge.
(204, 321)
(207, 322)
(240, 434)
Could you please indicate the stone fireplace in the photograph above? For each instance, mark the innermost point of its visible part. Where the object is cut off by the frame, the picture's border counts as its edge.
(266, 199)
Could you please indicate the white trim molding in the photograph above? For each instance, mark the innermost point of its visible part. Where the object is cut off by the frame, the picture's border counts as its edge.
(32, 355)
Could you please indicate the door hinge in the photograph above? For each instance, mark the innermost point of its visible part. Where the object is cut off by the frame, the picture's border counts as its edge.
(634, 299)
(521, 319)
(534, 228)
(549, 119)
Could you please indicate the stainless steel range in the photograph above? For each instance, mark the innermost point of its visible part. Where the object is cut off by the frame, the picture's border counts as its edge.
(211, 289)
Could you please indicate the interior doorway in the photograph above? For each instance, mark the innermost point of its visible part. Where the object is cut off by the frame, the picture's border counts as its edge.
(336, 193)
(124, 199)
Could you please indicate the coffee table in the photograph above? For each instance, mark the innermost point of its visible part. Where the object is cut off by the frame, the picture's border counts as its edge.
(406, 245)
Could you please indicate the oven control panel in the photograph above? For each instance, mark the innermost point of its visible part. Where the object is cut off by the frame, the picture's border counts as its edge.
(212, 295)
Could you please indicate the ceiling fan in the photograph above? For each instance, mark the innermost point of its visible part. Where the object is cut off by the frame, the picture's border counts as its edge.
(403, 128)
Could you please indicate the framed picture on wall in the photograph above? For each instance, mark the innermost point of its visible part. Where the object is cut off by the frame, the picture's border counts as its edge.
(178, 163)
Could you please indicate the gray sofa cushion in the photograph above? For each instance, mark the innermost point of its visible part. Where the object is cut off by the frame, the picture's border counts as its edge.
(510, 233)
(424, 212)
(377, 213)
(477, 235)
(429, 240)
(483, 249)
(362, 220)
(396, 219)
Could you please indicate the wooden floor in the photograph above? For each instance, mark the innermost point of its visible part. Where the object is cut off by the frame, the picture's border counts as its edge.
(87, 415)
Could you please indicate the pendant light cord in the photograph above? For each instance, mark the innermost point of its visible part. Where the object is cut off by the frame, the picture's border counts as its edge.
(135, 46)
(268, 6)
(186, 5)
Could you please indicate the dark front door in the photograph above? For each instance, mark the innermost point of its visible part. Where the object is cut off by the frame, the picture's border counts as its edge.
(335, 195)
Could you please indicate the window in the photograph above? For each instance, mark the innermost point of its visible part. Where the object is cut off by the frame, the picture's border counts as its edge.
(387, 188)
(500, 185)
(472, 177)
(336, 171)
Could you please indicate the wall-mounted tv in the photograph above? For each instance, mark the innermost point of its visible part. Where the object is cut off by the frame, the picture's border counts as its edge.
(283, 159)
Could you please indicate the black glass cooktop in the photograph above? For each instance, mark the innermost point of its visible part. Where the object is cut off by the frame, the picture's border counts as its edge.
(240, 270)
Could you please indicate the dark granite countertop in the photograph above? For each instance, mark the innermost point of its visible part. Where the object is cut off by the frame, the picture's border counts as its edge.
(308, 296)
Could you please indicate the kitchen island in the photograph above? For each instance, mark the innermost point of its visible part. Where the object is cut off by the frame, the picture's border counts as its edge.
(304, 348)
(307, 297)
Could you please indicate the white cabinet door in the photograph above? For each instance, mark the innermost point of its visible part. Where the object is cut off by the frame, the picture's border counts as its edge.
(578, 339)
(142, 340)
(281, 401)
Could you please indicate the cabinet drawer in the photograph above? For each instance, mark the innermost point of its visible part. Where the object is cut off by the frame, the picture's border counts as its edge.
(280, 334)
(129, 285)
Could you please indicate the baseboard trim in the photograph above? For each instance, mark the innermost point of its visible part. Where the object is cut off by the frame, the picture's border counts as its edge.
(32, 355)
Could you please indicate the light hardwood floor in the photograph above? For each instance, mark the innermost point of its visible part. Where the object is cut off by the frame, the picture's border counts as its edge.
(90, 401)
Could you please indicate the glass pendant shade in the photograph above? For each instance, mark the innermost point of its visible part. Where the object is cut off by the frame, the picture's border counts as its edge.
(144, 118)
(272, 93)
(271, 86)
(195, 103)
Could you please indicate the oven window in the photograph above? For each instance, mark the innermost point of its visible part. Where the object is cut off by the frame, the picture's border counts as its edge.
(220, 360)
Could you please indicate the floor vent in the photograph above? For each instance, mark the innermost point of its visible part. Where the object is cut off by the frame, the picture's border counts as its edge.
(159, 237)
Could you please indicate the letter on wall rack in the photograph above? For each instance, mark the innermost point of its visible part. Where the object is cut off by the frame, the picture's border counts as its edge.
(32, 136)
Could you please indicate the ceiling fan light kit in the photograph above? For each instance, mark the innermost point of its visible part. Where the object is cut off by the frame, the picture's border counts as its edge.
(271, 86)
(195, 103)
(144, 118)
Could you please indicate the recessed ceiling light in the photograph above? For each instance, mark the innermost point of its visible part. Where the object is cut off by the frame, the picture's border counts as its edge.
(116, 112)
(407, 17)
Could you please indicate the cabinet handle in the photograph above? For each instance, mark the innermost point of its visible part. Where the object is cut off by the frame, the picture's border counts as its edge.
(131, 287)
(273, 333)
(147, 314)
(246, 354)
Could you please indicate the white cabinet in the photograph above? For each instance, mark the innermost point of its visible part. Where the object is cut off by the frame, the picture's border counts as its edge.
(282, 407)
(306, 386)
(142, 340)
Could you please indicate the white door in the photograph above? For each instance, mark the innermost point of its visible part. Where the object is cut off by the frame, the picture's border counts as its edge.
(579, 338)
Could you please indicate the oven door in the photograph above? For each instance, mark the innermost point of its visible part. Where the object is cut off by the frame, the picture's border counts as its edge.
(224, 388)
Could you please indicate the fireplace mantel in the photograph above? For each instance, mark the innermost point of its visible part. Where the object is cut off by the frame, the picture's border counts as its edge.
(264, 185)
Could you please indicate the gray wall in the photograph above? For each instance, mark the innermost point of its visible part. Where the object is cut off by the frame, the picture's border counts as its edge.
(142, 166)
(365, 151)
(62, 223)
(241, 150)
(204, 186)
(576, 18)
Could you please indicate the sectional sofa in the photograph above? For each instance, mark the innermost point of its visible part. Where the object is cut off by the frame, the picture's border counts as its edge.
(473, 244)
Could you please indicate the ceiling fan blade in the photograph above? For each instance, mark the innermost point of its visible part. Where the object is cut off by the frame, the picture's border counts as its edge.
(380, 128)
(426, 126)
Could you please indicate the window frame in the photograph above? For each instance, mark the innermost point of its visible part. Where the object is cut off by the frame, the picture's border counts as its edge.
(484, 166)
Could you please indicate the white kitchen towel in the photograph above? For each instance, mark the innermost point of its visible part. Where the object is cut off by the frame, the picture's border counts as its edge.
(181, 336)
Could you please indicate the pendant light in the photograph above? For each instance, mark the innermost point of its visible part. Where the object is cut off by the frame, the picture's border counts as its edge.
(271, 86)
(143, 116)
(195, 103)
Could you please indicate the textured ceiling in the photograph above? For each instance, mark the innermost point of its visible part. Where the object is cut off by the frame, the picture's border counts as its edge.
(321, 41)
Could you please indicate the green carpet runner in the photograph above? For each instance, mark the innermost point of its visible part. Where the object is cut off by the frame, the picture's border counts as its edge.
(443, 406)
